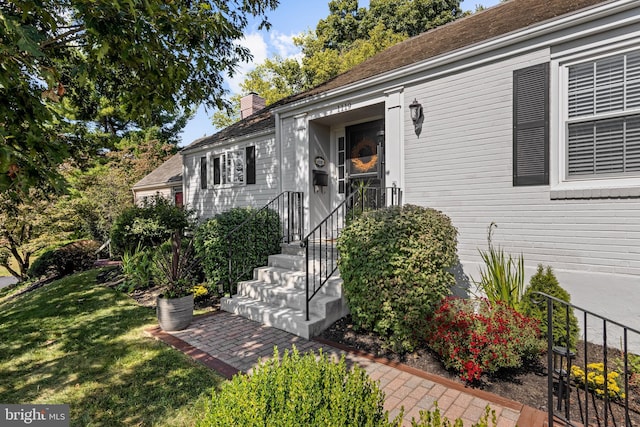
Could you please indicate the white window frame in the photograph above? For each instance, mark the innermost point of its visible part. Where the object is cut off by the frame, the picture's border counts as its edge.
(233, 168)
(588, 186)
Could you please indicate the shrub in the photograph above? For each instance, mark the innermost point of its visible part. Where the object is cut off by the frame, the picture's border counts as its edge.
(477, 336)
(298, 391)
(249, 248)
(396, 266)
(502, 279)
(138, 269)
(147, 226)
(594, 381)
(67, 259)
(534, 305)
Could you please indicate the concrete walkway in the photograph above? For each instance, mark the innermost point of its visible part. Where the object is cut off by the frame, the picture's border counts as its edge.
(230, 344)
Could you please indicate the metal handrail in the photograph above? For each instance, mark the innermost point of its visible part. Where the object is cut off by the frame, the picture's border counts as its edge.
(288, 206)
(564, 376)
(320, 252)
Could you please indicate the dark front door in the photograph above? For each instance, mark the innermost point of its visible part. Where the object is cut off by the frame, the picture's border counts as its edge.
(365, 161)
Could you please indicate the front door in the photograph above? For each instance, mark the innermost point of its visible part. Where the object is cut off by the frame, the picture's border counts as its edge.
(365, 162)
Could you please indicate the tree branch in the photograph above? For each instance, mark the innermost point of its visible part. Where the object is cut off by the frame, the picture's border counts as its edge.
(63, 36)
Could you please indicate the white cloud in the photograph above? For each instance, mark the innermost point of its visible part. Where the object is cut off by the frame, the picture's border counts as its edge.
(282, 45)
(259, 49)
(278, 44)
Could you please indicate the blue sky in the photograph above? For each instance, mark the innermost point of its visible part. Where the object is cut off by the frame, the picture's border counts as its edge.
(291, 18)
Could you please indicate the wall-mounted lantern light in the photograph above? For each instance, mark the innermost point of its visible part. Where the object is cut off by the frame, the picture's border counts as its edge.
(416, 115)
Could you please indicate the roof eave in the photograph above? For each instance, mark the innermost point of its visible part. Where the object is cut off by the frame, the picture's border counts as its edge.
(505, 40)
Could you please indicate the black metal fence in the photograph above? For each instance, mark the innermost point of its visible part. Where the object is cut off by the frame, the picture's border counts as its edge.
(266, 234)
(594, 384)
(320, 243)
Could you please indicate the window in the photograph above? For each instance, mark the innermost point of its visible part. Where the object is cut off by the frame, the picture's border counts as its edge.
(531, 125)
(603, 117)
(237, 167)
(203, 173)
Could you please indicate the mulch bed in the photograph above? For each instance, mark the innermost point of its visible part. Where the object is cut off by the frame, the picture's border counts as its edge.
(527, 385)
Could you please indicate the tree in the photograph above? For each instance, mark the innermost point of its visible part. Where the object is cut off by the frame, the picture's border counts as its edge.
(101, 193)
(30, 225)
(348, 36)
(127, 62)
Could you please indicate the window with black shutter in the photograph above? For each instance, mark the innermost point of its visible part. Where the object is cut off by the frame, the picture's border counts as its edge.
(216, 171)
(250, 155)
(203, 173)
(531, 125)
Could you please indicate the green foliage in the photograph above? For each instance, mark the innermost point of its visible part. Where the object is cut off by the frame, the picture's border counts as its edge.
(250, 247)
(65, 260)
(115, 64)
(396, 266)
(502, 280)
(177, 266)
(138, 269)
(294, 390)
(535, 306)
(478, 336)
(435, 419)
(149, 225)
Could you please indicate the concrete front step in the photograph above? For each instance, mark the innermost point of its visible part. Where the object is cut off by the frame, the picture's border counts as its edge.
(279, 296)
(285, 318)
(296, 279)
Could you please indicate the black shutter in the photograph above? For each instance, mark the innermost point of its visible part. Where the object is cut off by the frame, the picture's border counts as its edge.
(216, 171)
(203, 173)
(251, 164)
(531, 125)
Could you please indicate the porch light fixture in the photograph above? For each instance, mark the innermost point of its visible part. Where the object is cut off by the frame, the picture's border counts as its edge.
(416, 115)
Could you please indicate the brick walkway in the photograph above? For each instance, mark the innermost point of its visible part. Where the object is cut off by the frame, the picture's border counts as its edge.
(230, 344)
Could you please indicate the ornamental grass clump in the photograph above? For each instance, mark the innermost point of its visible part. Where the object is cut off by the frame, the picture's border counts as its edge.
(594, 381)
(396, 266)
(474, 337)
(502, 278)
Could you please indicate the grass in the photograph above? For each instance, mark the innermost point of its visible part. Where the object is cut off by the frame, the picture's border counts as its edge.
(82, 344)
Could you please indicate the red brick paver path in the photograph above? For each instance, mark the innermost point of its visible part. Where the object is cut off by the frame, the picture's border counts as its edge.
(230, 344)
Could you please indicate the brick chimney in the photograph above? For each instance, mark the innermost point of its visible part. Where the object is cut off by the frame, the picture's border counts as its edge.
(250, 103)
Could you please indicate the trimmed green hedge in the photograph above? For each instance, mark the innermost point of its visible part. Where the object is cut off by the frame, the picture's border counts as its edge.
(250, 247)
(298, 390)
(396, 266)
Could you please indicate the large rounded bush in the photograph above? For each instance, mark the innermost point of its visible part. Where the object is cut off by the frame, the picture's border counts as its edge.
(67, 259)
(534, 305)
(396, 266)
(298, 390)
(259, 237)
(148, 226)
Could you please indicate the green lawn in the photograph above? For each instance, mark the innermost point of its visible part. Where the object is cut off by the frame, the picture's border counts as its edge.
(82, 344)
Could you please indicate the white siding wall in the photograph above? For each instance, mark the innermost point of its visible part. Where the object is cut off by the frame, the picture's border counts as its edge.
(462, 165)
(215, 199)
(141, 194)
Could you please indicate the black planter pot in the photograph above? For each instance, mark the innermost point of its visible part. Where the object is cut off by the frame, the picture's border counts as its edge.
(174, 314)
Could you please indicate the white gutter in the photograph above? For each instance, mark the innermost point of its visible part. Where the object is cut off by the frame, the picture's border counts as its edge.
(517, 36)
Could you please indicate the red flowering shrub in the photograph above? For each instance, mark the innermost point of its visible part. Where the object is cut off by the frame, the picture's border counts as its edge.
(476, 336)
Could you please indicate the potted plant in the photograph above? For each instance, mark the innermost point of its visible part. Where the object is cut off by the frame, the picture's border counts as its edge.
(177, 267)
